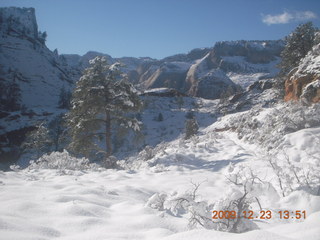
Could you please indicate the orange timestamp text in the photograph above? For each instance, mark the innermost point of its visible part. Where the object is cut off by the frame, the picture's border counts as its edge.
(268, 214)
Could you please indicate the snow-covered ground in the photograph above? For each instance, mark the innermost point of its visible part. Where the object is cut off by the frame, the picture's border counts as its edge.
(96, 203)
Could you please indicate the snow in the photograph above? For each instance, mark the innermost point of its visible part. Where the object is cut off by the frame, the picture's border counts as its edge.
(245, 80)
(40, 76)
(157, 90)
(248, 67)
(95, 203)
(310, 64)
(63, 197)
(177, 66)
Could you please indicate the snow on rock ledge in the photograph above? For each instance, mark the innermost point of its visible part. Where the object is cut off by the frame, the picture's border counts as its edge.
(302, 81)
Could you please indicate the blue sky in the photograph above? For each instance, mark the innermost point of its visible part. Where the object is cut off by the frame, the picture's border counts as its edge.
(160, 28)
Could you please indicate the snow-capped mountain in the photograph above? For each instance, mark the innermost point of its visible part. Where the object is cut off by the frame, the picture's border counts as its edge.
(205, 73)
(33, 76)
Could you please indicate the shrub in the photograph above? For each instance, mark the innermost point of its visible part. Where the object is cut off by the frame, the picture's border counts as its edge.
(199, 212)
(62, 161)
(269, 130)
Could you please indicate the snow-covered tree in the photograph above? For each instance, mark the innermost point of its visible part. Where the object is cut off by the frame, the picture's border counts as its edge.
(38, 141)
(102, 96)
(58, 133)
(298, 44)
(191, 127)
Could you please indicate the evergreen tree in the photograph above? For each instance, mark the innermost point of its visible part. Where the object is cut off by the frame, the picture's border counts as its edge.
(298, 44)
(160, 117)
(38, 141)
(64, 98)
(189, 115)
(191, 127)
(57, 132)
(102, 96)
(180, 102)
(42, 36)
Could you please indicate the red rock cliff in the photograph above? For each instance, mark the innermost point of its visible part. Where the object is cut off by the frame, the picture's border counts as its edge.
(303, 83)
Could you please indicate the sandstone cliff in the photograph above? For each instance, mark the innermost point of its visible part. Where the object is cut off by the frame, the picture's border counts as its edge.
(303, 82)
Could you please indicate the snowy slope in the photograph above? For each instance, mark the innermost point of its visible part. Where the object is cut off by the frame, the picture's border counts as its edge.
(252, 73)
(155, 194)
(112, 204)
(172, 125)
(41, 77)
(39, 72)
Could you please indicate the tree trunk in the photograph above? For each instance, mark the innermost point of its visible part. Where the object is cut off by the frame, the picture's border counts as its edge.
(108, 135)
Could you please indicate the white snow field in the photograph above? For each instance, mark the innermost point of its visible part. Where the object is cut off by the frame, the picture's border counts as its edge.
(44, 203)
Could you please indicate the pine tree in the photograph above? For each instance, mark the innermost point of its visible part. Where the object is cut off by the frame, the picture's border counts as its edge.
(191, 127)
(42, 36)
(38, 141)
(102, 96)
(64, 98)
(57, 132)
(298, 44)
(160, 117)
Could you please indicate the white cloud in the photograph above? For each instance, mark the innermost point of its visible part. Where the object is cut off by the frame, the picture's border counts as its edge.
(287, 17)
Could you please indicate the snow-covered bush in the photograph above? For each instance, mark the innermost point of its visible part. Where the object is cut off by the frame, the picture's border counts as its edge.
(236, 202)
(296, 164)
(156, 201)
(62, 161)
(199, 212)
(246, 190)
(187, 203)
(310, 91)
(148, 157)
(267, 129)
(296, 174)
(147, 153)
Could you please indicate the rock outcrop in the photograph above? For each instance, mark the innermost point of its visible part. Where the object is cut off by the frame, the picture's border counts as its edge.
(209, 73)
(31, 77)
(303, 82)
(27, 63)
